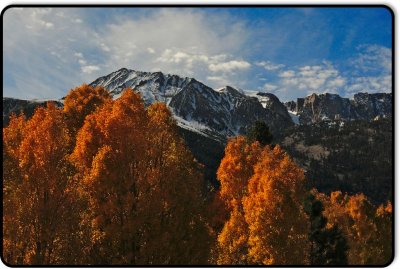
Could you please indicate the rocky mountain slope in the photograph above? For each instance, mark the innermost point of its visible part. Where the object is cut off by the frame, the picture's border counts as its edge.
(328, 107)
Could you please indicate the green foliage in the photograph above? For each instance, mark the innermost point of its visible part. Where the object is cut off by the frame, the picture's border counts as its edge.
(328, 245)
(260, 132)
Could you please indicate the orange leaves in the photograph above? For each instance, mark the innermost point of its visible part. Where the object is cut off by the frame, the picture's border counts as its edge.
(142, 183)
(236, 168)
(276, 192)
(43, 198)
(263, 187)
(366, 227)
(81, 102)
(232, 241)
(135, 196)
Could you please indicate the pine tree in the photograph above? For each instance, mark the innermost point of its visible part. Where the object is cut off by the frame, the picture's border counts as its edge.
(260, 132)
(328, 245)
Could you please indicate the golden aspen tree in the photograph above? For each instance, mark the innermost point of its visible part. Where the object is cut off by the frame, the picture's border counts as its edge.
(45, 207)
(143, 185)
(82, 101)
(108, 153)
(14, 249)
(277, 223)
(232, 242)
(234, 172)
(171, 203)
(236, 168)
(367, 228)
(384, 223)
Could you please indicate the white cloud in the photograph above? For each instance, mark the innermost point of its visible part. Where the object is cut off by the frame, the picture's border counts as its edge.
(287, 74)
(104, 47)
(89, 68)
(369, 84)
(78, 54)
(304, 80)
(269, 66)
(220, 80)
(373, 58)
(186, 42)
(229, 66)
(269, 87)
(45, 60)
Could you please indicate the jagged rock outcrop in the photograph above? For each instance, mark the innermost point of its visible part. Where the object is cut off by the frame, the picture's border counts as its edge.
(328, 107)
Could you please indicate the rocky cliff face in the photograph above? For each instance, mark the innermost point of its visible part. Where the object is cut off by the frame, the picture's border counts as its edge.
(328, 107)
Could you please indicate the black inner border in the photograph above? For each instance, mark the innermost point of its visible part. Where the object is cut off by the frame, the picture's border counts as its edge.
(387, 7)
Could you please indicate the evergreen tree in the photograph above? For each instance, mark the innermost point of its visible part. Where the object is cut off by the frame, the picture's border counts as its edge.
(260, 132)
(328, 245)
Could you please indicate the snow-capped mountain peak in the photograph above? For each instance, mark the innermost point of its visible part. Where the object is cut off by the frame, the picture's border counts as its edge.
(224, 112)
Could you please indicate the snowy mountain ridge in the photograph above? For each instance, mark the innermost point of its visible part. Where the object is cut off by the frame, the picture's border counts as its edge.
(217, 113)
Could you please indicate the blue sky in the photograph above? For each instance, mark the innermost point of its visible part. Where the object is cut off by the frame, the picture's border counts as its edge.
(291, 52)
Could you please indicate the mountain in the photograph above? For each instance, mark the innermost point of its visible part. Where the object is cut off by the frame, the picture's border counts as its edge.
(217, 113)
(16, 106)
(328, 107)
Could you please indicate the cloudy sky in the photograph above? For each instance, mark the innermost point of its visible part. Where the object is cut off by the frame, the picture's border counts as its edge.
(291, 52)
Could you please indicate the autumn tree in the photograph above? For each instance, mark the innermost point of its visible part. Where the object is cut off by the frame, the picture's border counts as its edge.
(142, 183)
(368, 228)
(262, 187)
(82, 101)
(42, 193)
(236, 168)
(234, 172)
(108, 155)
(172, 204)
(14, 250)
(273, 211)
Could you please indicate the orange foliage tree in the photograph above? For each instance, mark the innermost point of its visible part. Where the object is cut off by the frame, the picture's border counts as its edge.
(142, 183)
(234, 172)
(264, 191)
(367, 228)
(82, 101)
(278, 225)
(172, 206)
(40, 217)
(14, 250)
